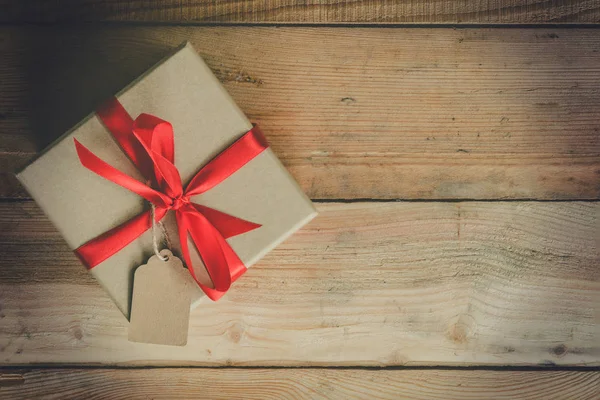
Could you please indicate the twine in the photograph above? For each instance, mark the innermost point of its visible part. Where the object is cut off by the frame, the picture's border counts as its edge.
(155, 237)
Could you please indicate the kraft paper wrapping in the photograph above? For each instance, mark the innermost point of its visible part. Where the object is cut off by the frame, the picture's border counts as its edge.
(180, 89)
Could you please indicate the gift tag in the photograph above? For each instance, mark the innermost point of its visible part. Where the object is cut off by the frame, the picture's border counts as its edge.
(160, 308)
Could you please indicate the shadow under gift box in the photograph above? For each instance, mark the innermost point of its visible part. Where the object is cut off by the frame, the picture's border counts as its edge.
(180, 89)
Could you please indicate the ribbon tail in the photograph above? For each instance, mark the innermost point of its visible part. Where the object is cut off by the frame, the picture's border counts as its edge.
(100, 167)
(221, 262)
(226, 224)
(236, 268)
(104, 246)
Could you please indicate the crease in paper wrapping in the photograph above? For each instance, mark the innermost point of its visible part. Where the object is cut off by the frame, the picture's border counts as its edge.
(180, 89)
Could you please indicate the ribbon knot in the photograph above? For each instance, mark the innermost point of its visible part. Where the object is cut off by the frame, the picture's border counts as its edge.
(148, 141)
(179, 202)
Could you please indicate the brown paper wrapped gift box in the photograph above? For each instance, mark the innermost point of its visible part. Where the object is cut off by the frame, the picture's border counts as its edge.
(180, 89)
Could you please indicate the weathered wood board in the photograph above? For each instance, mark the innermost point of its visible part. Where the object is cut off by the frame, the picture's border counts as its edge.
(260, 384)
(353, 113)
(371, 284)
(314, 11)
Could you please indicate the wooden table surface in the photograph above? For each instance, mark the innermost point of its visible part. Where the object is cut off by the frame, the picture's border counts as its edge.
(455, 162)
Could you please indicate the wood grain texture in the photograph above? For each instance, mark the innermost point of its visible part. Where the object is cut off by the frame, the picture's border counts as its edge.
(372, 284)
(297, 11)
(353, 113)
(280, 384)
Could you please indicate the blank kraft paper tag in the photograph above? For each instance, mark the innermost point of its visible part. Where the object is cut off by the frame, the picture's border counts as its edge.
(160, 308)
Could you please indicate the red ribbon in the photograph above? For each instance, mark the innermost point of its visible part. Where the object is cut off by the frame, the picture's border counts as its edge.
(148, 142)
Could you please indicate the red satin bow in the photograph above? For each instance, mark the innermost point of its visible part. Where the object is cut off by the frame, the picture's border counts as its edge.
(148, 142)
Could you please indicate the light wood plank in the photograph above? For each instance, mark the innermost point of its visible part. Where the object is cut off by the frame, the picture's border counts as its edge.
(377, 284)
(295, 11)
(282, 384)
(353, 113)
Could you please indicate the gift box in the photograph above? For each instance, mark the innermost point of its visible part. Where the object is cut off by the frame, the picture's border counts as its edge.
(250, 206)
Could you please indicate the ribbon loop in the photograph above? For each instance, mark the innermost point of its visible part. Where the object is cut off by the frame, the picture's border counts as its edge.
(148, 141)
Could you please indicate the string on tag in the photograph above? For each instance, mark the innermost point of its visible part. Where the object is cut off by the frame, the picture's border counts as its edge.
(155, 238)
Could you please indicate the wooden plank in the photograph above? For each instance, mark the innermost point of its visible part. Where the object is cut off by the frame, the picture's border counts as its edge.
(295, 11)
(353, 113)
(232, 383)
(373, 284)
